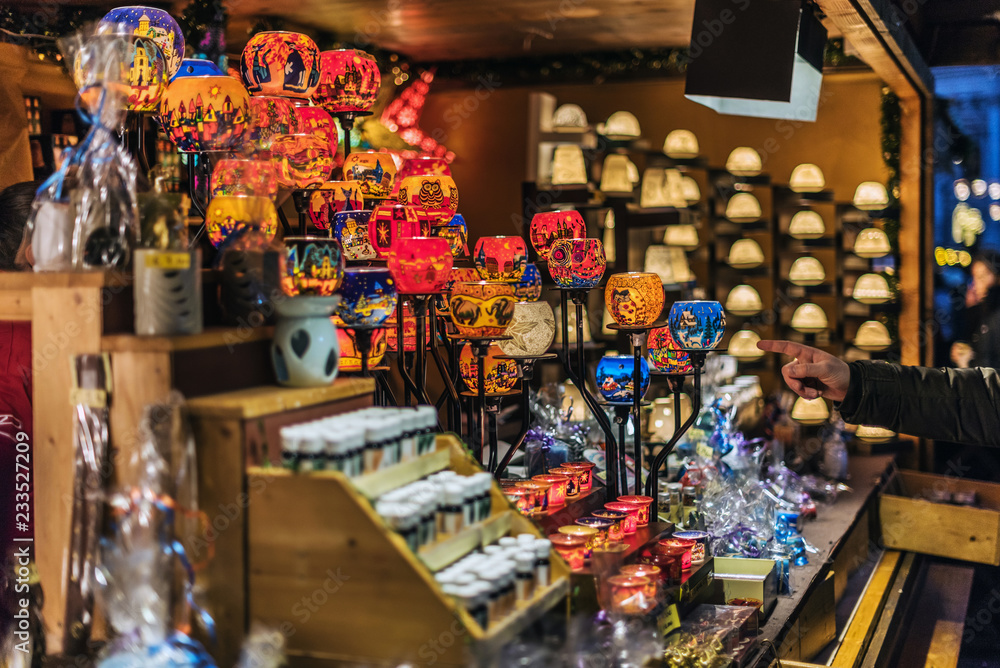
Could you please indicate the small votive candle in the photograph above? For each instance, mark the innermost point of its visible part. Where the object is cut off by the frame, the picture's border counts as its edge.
(590, 534)
(700, 539)
(586, 470)
(631, 522)
(687, 545)
(573, 485)
(643, 503)
(571, 548)
(540, 493)
(616, 532)
(602, 525)
(557, 493)
(628, 594)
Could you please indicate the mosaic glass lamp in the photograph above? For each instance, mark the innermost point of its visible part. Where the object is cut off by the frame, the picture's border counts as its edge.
(634, 299)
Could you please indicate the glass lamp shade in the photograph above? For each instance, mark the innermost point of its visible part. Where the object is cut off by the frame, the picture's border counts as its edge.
(744, 300)
(349, 81)
(427, 166)
(810, 411)
(806, 270)
(205, 113)
(373, 172)
(249, 178)
(367, 296)
(316, 121)
(683, 236)
(577, 263)
(390, 222)
(662, 188)
(743, 208)
(197, 67)
(745, 254)
(434, 194)
(871, 196)
(269, 117)
(280, 63)
(569, 118)
(744, 161)
(420, 265)
(872, 335)
(532, 330)
(617, 174)
(226, 214)
(303, 161)
(481, 309)
(681, 144)
(662, 421)
(873, 434)
(499, 375)
(872, 289)
(615, 379)
(330, 199)
(743, 346)
(806, 224)
(634, 299)
(698, 325)
(147, 75)
(548, 227)
(313, 266)
(529, 287)
(571, 325)
(501, 258)
(351, 228)
(458, 275)
(456, 232)
(350, 356)
(809, 318)
(692, 193)
(665, 353)
(669, 263)
(620, 125)
(151, 23)
(568, 165)
(872, 242)
(807, 178)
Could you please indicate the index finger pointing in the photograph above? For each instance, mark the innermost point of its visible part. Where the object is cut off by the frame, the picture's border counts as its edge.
(789, 348)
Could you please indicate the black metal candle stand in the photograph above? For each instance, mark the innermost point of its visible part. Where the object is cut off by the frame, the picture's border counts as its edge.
(347, 119)
(481, 349)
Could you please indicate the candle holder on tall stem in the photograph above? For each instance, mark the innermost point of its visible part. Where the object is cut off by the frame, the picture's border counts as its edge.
(485, 402)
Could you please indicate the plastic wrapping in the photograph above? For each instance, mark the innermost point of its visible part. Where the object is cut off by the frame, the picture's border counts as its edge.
(556, 437)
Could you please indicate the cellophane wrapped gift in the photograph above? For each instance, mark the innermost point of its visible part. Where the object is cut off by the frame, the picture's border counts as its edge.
(555, 438)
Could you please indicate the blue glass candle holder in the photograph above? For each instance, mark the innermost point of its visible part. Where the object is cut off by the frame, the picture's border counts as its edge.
(529, 288)
(615, 378)
(367, 297)
(697, 325)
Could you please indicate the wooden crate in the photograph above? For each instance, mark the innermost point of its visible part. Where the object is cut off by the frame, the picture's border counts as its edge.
(910, 523)
(341, 586)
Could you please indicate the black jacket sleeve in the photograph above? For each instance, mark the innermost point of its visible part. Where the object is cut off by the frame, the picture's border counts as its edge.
(958, 405)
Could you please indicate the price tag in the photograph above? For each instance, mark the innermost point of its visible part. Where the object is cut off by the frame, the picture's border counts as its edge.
(669, 621)
(88, 397)
(168, 260)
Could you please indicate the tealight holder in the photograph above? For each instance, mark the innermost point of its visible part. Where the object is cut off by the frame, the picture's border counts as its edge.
(629, 523)
(701, 539)
(589, 534)
(373, 172)
(628, 595)
(548, 227)
(154, 23)
(349, 81)
(367, 297)
(577, 263)
(316, 121)
(573, 486)
(482, 309)
(312, 266)
(615, 378)
(654, 573)
(665, 354)
(189, 100)
(642, 503)
(686, 545)
(541, 492)
(270, 116)
(616, 532)
(420, 265)
(303, 161)
(586, 471)
(501, 258)
(557, 493)
(329, 199)
(531, 330)
(572, 548)
(434, 194)
(529, 287)
(634, 299)
(697, 325)
(456, 232)
(351, 227)
(147, 74)
(247, 178)
(226, 215)
(390, 222)
(602, 525)
(499, 375)
(280, 63)
(521, 498)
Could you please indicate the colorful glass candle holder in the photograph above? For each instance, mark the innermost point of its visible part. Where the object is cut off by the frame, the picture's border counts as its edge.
(602, 526)
(643, 503)
(151, 23)
(628, 595)
(458, 275)
(697, 324)
(269, 117)
(577, 263)
(573, 487)
(374, 173)
(616, 532)
(522, 499)
(197, 67)
(435, 194)
(589, 534)
(499, 375)
(390, 222)
(615, 378)
(349, 81)
(501, 258)
(529, 287)
(350, 356)
(205, 113)
(367, 296)
(686, 545)
(540, 491)
(630, 524)
(227, 214)
(457, 234)
(303, 161)
(147, 75)
(550, 226)
(248, 178)
(557, 494)
(586, 470)
(481, 309)
(426, 166)
(280, 63)
(316, 121)
(351, 227)
(420, 265)
(670, 561)
(313, 266)
(701, 540)
(571, 548)
(330, 199)
(531, 330)
(653, 573)
(409, 329)
(634, 299)
(665, 353)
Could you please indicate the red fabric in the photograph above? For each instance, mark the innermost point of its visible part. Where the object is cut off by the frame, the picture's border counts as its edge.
(15, 417)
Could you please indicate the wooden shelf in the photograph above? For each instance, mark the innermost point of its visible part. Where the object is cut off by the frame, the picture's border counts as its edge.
(268, 399)
(378, 483)
(74, 279)
(449, 550)
(216, 337)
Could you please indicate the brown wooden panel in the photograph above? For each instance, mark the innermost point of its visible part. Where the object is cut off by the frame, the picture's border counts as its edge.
(915, 525)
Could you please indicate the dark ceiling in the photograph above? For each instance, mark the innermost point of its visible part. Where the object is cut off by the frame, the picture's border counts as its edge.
(953, 32)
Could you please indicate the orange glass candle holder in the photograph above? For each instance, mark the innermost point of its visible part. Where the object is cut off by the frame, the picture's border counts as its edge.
(522, 499)
(373, 172)
(435, 194)
(629, 594)
(420, 265)
(499, 375)
(425, 166)
(634, 299)
(349, 81)
(269, 117)
(540, 490)
(687, 545)
(548, 227)
(616, 532)
(227, 214)
(557, 495)
(205, 113)
(590, 534)
(390, 222)
(316, 121)
(577, 263)
(501, 258)
(303, 161)
(629, 525)
(281, 63)
(573, 488)
(571, 548)
(481, 309)
(670, 560)
(654, 573)
(350, 356)
(586, 470)
(247, 178)
(330, 199)
(642, 503)
(665, 353)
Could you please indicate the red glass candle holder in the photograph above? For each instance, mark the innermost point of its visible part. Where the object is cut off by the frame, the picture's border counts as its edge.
(573, 489)
(435, 194)
(349, 81)
(269, 117)
(670, 560)
(590, 534)
(481, 309)
(629, 594)
(571, 548)
(247, 178)
(643, 503)
(390, 222)
(687, 545)
(499, 375)
(280, 63)
(316, 121)
(374, 173)
(409, 329)
(630, 524)
(557, 494)
(205, 113)
(541, 493)
(550, 226)
(426, 166)
(654, 573)
(522, 499)
(616, 532)
(303, 161)
(501, 258)
(420, 265)
(330, 199)
(586, 470)
(634, 299)
(665, 353)
(577, 263)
